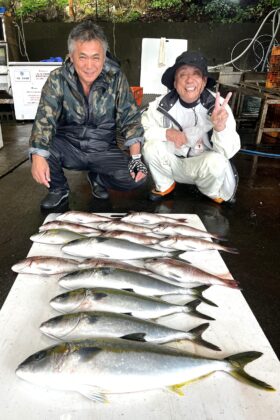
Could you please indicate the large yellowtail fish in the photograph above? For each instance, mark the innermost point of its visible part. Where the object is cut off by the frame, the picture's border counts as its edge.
(95, 368)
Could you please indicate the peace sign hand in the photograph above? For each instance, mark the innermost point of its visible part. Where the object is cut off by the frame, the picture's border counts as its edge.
(220, 115)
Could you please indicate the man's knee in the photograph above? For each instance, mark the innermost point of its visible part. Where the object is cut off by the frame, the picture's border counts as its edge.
(214, 164)
(152, 150)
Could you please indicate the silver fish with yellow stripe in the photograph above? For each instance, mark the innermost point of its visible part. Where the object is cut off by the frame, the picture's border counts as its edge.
(100, 367)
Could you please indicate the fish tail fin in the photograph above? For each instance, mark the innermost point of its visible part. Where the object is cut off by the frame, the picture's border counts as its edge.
(182, 220)
(239, 361)
(233, 284)
(230, 250)
(197, 337)
(191, 306)
(218, 237)
(176, 254)
(198, 293)
(226, 276)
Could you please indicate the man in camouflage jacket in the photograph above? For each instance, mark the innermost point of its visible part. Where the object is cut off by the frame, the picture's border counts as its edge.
(82, 104)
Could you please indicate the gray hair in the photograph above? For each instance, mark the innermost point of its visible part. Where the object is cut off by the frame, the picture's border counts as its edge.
(87, 31)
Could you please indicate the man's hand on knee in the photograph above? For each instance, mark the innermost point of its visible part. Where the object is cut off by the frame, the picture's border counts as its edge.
(137, 168)
(40, 170)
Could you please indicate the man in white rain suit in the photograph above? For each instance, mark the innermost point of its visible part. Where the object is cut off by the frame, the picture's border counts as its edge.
(190, 134)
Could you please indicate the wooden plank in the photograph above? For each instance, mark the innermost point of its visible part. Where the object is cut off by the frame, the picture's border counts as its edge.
(217, 397)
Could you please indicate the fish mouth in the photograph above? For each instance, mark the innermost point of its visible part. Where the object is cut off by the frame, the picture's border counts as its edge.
(46, 328)
(60, 304)
(20, 266)
(20, 371)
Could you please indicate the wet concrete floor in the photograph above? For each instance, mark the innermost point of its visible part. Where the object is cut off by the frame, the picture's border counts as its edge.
(251, 225)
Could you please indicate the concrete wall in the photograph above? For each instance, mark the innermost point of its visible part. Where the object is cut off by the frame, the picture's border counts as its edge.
(46, 40)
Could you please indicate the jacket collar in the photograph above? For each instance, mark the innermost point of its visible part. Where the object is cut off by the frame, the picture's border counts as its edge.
(207, 100)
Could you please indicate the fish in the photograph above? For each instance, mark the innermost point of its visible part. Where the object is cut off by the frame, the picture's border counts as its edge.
(132, 266)
(72, 227)
(86, 325)
(189, 243)
(184, 271)
(116, 278)
(137, 238)
(150, 218)
(126, 227)
(112, 248)
(106, 262)
(55, 237)
(121, 301)
(44, 265)
(183, 230)
(82, 217)
(97, 368)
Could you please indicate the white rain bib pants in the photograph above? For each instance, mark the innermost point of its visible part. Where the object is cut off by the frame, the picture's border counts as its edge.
(211, 172)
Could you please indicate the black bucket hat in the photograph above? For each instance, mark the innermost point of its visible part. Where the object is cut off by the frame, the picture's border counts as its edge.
(190, 58)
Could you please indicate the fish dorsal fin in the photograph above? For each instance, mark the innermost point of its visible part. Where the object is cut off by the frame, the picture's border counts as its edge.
(135, 337)
(93, 393)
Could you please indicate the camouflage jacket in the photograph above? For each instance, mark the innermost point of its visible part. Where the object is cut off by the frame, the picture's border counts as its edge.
(89, 123)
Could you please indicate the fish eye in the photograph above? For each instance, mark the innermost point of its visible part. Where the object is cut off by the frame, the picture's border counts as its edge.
(63, 295)
(40, 355)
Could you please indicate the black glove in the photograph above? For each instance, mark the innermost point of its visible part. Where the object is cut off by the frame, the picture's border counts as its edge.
(136, 165)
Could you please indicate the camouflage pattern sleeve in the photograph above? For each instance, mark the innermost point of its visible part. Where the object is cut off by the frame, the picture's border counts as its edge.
(128, 115)
(48, 112)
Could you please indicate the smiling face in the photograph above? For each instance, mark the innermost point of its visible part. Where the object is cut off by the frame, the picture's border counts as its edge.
(189, 83)
(88, 58)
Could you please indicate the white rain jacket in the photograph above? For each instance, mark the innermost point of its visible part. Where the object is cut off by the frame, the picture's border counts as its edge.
(164, 112)
(211, 173)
